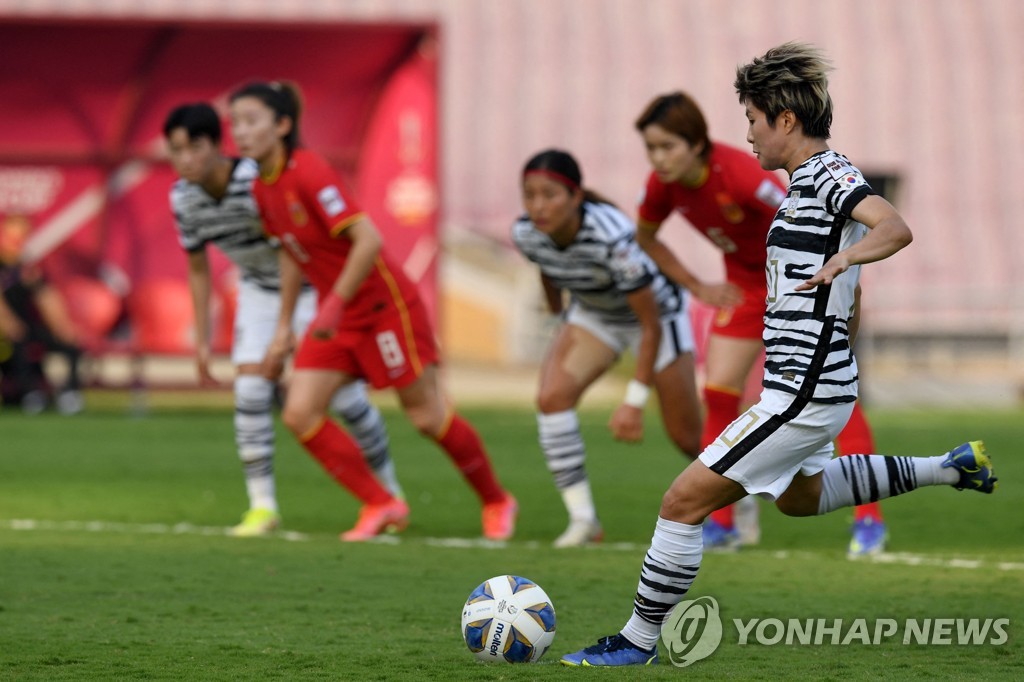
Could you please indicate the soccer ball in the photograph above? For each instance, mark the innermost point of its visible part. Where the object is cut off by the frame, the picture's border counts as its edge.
(510, 619)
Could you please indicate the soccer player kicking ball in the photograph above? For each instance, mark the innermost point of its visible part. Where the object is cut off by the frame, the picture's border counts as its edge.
(725, 194)
(781, 448)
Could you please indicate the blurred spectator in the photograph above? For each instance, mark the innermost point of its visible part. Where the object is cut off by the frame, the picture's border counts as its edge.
(34, 321)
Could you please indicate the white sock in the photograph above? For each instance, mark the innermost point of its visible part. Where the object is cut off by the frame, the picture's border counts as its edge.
(579, 502)
(262, 492)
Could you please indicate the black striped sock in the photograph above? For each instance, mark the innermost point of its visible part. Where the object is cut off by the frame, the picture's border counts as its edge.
(562, 443)
(668, 571)
(858, 479)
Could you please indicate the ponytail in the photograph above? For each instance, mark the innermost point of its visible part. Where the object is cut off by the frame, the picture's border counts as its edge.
(283, 98)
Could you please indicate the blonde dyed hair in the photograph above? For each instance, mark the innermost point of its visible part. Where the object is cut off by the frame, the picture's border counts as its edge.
(793, 77)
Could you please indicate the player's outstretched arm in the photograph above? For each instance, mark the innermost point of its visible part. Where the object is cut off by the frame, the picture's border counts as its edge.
(888, 234)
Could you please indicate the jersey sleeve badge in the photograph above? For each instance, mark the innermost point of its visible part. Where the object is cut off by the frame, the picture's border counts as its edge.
(626, 261)
(852, 180)
(838, 167)
(770, 194)
(331, 201)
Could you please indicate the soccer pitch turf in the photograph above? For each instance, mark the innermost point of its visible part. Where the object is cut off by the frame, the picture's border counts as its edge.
(114, 565)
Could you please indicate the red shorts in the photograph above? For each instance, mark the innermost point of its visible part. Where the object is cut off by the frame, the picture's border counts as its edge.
(745, 321)
(389, 351)
(736, 322)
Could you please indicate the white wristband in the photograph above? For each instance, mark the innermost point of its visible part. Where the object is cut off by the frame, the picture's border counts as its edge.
(637, 394)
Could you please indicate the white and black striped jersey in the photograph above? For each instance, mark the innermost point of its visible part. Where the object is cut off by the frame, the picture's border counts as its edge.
(806, 333)
(601, 266)
(232, 224)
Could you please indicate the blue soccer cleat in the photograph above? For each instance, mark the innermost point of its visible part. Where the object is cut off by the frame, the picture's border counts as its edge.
(869, 538)
(976, 472)
(718, 538)
(612, 650)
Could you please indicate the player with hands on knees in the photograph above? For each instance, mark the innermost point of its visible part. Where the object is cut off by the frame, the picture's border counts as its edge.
(618, 301)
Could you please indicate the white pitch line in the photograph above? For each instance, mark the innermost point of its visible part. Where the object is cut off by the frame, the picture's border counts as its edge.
(134, 528)
(900, 558)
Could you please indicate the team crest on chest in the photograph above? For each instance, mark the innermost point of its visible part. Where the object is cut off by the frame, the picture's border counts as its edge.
(731, 211)
(296, 210)
(791, 204)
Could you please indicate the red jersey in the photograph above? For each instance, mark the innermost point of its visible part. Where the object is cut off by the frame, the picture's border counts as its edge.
(307, 208)
(733, 206)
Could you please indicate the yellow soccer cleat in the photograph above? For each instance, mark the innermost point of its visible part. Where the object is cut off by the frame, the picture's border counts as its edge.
(257, 522)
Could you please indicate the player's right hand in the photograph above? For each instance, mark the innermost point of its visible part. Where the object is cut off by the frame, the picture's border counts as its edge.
(627, 424)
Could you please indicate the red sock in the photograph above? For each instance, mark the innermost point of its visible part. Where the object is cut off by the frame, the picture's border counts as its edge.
(722, 407)
(723, 517)
(463, 446)
(856, 439)
(340, 457)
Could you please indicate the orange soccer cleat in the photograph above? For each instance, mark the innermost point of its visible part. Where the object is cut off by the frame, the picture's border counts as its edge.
(499, 518)
(375, 519)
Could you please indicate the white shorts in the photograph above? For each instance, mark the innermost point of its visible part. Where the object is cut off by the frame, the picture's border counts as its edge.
(773, 441)
(256, 320)
(676, 334)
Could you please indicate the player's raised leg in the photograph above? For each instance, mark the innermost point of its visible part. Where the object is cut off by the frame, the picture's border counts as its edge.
(856, 479)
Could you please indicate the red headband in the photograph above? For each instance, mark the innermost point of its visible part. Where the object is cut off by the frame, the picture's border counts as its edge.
(554, 175)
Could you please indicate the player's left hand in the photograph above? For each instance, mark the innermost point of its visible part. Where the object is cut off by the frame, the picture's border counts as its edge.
(835, 266)
(328, 317)
(627, 424)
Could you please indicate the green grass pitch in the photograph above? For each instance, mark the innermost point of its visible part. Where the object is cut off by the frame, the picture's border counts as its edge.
(112, 564)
